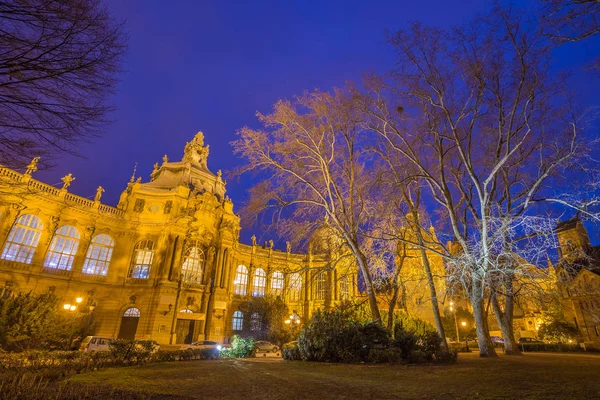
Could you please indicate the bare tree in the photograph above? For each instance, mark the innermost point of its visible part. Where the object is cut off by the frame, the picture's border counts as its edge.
(571, 20)
(478, 115)
(58, 64)
(312, 162)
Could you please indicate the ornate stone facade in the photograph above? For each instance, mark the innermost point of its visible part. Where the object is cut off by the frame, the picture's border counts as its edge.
(164, 264)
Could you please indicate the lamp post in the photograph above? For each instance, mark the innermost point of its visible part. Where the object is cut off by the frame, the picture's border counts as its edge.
(464, 325)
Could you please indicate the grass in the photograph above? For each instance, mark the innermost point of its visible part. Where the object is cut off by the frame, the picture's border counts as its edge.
(532, 376)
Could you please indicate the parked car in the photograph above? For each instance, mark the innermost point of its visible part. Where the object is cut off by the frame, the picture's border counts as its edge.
(525, 340)
(497, 339)
(202, 344)
(95, 343)
(267, 347)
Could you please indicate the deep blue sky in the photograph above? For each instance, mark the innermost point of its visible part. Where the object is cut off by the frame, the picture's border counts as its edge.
(209, 66)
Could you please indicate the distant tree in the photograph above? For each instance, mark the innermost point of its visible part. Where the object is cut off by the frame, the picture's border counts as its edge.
(59, 61)
(312, 159)
(556, 331)
(29, 321)
(453, 320)
(266, 320)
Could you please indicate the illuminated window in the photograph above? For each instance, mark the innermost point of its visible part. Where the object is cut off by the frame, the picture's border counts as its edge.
(238, 321)
(186, 310)
(193, 264)
(98, 255)
(295, 286)
(259, 283)
(132, 312)
(63, 248)
(277, 282)
(320, 286)
(240, 283)
(23, 239)
(255, 322)
(345, 287)
(143, 253)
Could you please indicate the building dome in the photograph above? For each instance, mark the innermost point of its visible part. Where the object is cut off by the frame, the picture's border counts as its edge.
(324, 239)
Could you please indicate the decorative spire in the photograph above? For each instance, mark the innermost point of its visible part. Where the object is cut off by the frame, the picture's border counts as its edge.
(132, 179)
(165, 159)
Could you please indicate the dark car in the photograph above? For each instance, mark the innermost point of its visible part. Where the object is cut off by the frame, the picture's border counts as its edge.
(525, 340)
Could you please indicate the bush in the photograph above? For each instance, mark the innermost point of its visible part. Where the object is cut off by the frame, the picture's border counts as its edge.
(419, 342)
(385, 355)
(333, 337)
(240, 348)
(291, 353)
(555, 331)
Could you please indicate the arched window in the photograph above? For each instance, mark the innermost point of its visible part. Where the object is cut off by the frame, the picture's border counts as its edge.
(345, 287)
(259, 283)
(255, 322)
(23, 239)
(132, 312)
(277, 282)
(98, 255)
(295, 286)
(193, 263)
(143, 253)
(186, 310)
(238, 321)
(240, 283)
(63, 248)
(320, 285)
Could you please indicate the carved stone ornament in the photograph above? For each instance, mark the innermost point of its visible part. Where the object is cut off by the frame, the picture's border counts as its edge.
(195, 151)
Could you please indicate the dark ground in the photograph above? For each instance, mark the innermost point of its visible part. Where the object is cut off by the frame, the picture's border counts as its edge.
(532, 376)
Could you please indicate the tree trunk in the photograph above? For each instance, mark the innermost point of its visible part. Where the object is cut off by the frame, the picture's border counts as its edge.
(505, 321)
(433, 293)
(361, 260)
(392, 307)
(486, 347)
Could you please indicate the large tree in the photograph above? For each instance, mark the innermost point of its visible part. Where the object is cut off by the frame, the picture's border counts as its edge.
(477, 113)
(312, 161)
(58, 64)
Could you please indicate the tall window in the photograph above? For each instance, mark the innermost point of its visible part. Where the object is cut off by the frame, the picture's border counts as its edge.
(193, 263)
(98, 255)
(277, 282)
(238, 321)
(259, 283)
(295, 286)
(143, 253)
(320, 285)
(240, 283)
(132, 312)
(345, 287)
(23, 239)
(255, 322)
(63, 248)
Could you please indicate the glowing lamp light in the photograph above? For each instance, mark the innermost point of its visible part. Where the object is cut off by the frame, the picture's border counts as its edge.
(219, 347)
(287, 321)
(451, 308)
(298, 321)
(78, 300)
(67, 306)
(73, 308)
(451, 303)
(464, 323)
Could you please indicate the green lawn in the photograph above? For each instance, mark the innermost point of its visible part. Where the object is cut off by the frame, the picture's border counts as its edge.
(532, 376)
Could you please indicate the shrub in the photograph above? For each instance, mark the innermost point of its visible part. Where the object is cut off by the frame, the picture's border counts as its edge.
(240, 348)
(385, 355)
(555, 331)
(444, 356)
(418, 341)
(291, 353)
(333, 337)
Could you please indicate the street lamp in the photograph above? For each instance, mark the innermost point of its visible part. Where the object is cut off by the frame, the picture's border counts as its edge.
(464, 325)
(453, 310)
(294, 319)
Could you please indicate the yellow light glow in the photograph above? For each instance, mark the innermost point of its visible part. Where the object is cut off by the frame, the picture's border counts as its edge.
(73, 308)
(451, 308)
(66, 306)
(298, 321)
(451, 303)
(464, 323)
(78, 300)
(287, 321)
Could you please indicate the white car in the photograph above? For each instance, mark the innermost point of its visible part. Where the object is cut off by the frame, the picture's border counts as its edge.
(95, 343)
(267, 347)
(200, 345)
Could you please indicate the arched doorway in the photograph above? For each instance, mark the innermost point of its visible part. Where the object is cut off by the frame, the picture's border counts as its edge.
(129, 323)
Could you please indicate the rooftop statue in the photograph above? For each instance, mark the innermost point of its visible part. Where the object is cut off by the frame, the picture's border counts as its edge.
(67, 179)
(195, 151)
(32, 166)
